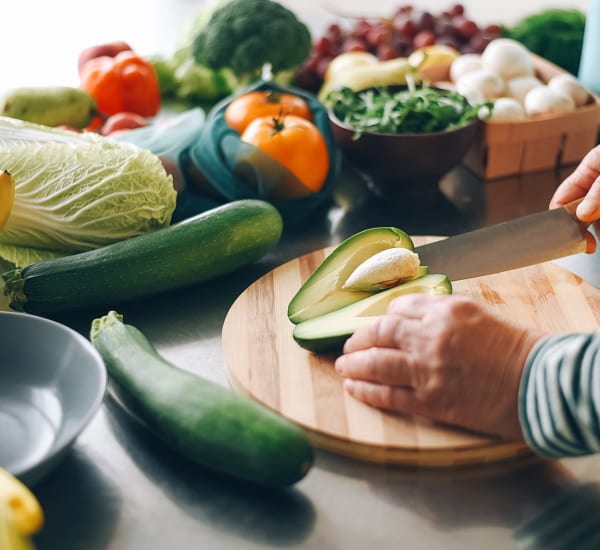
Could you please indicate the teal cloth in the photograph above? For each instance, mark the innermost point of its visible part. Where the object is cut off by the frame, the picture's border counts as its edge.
(218, 150)
(170, 138)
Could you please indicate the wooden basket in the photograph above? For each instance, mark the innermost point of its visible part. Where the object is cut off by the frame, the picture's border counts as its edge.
(544, 143)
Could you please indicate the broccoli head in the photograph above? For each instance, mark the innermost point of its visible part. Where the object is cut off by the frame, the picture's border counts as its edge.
(245, 35)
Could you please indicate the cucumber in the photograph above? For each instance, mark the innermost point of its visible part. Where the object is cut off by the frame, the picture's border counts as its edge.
(205, 422)
(199, 248)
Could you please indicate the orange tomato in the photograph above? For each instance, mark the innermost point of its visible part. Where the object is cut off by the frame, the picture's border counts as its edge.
(245, 108)
(296, 143)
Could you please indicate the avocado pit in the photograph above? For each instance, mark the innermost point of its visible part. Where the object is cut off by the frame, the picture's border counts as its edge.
(384, 270)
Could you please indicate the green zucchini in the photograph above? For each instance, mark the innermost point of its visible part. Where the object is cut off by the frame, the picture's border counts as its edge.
(200, 419)
(199, 248)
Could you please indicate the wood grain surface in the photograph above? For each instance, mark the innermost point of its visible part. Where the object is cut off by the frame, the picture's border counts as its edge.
(263, 361)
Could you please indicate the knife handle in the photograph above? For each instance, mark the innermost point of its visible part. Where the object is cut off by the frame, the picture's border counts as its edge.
(571, 209)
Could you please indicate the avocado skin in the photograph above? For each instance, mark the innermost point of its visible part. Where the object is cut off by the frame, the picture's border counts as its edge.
(329, 344)
(328, 332)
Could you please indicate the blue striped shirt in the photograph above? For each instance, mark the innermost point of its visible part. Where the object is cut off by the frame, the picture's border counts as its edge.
(559, 396)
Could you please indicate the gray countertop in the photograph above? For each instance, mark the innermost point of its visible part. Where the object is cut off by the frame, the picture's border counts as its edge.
(120, 489)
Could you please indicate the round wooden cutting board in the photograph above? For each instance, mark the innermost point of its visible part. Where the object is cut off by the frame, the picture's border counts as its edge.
(263, 361)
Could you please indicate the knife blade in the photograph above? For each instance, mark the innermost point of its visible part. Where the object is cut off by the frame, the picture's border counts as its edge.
(519, 242)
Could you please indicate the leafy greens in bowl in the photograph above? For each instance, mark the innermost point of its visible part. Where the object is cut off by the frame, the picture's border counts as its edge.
(409, 110)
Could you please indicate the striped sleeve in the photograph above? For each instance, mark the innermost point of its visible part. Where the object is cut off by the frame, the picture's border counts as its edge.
(559, 396)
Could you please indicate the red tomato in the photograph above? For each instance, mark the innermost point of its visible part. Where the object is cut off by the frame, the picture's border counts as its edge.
(122, 121)
(294, 142)
(245, 108)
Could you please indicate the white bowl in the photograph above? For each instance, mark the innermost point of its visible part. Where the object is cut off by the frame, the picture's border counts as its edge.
(52, 382)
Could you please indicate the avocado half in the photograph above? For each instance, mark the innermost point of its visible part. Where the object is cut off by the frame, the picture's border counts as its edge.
(328, 332)
(322, 291)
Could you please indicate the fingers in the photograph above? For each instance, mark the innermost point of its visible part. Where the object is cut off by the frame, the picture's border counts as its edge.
(572, 188)
(382, 333)
(401, 321)
(383, 396)
(583, 182)
(589, 208)
(443, 357)
(379, 365)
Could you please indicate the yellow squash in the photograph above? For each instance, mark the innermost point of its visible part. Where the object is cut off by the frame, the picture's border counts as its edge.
(19, 505)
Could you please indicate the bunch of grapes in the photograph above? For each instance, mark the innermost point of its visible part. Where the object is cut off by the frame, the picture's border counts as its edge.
(408, 29)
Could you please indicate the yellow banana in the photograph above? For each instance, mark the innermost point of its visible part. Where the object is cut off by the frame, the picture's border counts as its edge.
(19, 505)
(7, 196)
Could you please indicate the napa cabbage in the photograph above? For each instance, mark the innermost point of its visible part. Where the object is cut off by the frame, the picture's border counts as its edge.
(77, 191)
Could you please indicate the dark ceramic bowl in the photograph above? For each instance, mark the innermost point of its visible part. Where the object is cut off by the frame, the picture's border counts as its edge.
(404, 165)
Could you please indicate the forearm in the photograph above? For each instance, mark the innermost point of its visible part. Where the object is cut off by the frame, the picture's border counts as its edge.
(559, 397)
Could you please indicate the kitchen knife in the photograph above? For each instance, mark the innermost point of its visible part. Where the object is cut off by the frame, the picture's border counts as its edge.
(508, 245)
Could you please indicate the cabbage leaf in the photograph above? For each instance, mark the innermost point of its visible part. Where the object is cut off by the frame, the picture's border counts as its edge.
(75, 192)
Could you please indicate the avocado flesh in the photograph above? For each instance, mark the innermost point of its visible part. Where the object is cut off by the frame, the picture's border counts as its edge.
(327, 333)
(322, 292)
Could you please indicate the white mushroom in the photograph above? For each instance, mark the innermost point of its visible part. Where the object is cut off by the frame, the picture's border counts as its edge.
(480, 85)
(505, 109)
(464, 64)
(568, 84)
(545, 100)
(508, 58)
(384, 269)
(519, 86)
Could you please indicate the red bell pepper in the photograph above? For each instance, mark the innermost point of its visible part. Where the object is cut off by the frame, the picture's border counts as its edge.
(125, 82)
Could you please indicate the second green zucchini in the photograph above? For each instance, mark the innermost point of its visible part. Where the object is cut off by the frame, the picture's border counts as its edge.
(197, 249)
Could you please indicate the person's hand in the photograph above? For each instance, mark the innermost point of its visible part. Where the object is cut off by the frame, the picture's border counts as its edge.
(444, 357)
(583, 182)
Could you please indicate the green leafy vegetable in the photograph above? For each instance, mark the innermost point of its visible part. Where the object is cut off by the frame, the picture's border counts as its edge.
(554, 34)
(76, 192)
(414, 110)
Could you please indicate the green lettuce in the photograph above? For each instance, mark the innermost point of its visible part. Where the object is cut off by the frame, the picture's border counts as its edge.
(76, 192)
